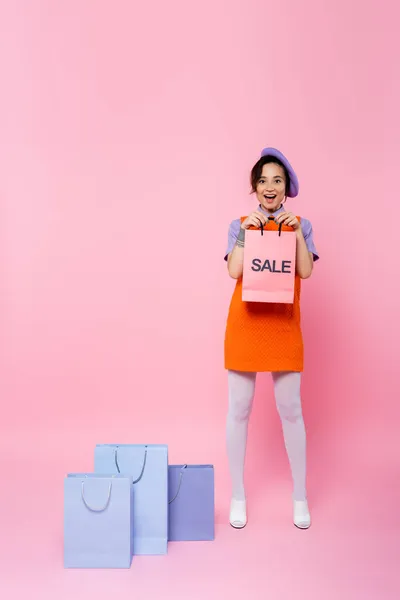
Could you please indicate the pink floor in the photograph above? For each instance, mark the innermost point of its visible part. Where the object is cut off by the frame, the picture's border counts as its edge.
(352, 550)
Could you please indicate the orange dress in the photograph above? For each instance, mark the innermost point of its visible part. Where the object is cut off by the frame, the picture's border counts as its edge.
(264, 336)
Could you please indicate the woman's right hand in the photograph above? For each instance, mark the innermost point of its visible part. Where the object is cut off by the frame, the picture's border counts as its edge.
(254, 219)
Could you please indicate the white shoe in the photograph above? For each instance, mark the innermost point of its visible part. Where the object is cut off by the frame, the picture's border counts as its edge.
(301, 514)
(238, 515)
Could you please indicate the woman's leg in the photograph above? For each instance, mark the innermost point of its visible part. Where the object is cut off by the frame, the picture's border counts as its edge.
(241, 394)
(288, 401)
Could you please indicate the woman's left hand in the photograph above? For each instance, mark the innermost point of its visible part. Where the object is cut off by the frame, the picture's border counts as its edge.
(289, 219)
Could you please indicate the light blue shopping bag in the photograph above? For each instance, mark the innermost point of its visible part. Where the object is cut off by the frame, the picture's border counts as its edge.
(148, 466)
(98, 521)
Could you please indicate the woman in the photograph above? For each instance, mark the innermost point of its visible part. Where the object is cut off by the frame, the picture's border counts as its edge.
(267, 337)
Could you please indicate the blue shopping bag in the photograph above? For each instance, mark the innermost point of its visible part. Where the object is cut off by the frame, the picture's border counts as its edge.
(98, 521)
(191, 503)
(148, 466)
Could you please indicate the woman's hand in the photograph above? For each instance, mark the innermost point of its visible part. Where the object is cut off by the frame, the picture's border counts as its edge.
(289, 219)
(254, 220)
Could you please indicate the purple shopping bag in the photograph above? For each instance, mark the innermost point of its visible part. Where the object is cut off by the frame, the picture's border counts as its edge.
(98, 520)
(191, 503)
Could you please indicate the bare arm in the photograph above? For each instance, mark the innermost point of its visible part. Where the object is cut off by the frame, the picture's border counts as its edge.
(235, 258)
(304, 258)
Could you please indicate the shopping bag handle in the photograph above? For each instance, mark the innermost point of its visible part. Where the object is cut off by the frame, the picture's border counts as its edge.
(179, 484)
(270, 219)
(144, 464)
(91, 508)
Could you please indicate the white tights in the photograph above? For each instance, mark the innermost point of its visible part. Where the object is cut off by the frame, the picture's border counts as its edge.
(288, 401)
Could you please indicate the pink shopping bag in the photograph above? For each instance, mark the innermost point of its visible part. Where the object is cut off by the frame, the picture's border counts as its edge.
(269, 266)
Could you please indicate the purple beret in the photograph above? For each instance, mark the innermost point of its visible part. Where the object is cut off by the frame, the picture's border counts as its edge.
(294, 182)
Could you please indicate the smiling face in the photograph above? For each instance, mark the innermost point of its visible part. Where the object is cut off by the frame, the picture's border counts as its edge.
(271, 187)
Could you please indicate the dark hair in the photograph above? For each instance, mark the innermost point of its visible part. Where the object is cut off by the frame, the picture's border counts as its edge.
(256, 171)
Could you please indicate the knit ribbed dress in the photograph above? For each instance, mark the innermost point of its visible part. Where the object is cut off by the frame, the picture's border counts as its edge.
(263, 336)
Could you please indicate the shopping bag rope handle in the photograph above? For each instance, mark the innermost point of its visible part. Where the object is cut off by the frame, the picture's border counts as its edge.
(179, 484)
(91, 508)
(144, 464)
(270, 219)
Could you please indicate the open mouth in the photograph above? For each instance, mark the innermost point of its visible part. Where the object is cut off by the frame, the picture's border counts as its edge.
(270, 197)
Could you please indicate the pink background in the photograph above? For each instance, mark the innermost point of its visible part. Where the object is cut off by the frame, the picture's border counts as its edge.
(127, 132)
